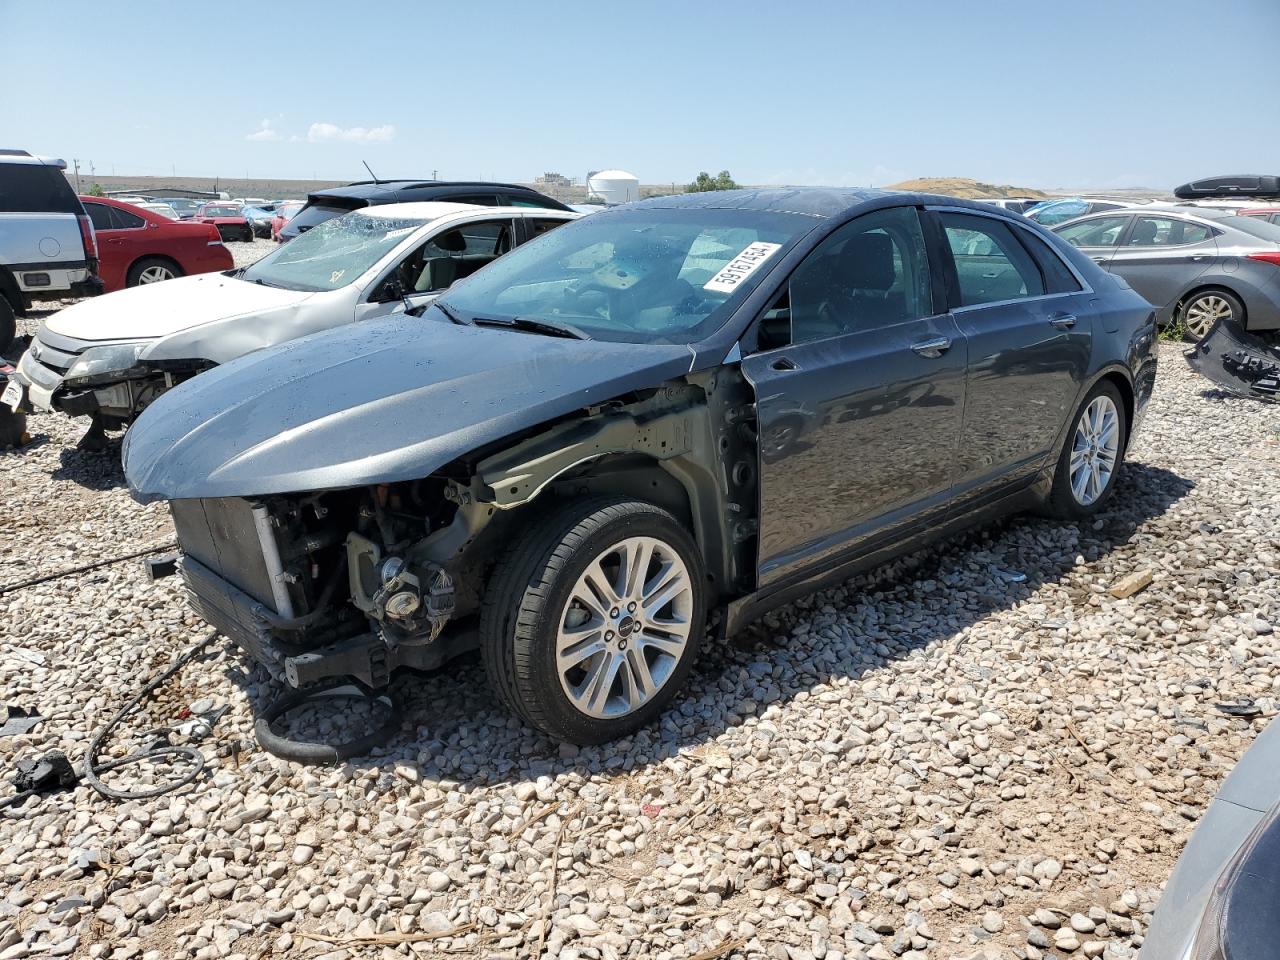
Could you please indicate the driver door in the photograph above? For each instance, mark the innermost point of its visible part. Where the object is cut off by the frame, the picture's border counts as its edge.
(860, 386)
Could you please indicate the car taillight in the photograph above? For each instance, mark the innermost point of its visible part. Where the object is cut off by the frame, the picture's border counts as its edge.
(214, 235)
(88, 238)
(1273, 258)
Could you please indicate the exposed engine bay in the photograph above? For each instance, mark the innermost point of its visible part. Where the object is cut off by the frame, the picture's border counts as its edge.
(357, 582)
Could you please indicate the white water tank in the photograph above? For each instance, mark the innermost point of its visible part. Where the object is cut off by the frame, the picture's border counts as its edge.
(614, 186)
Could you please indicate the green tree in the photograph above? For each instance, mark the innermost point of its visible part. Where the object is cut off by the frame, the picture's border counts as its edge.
(705, 182)
(97, 191)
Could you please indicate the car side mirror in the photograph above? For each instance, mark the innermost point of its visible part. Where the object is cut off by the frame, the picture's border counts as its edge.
(392, 289)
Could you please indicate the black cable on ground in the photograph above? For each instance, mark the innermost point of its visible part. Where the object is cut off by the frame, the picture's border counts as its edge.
(92, 768)
(329, 753)
(85, 568)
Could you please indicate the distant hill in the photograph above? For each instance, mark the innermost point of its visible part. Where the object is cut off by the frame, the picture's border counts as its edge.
(966, 188)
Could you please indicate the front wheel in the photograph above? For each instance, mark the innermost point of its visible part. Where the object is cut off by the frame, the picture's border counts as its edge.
(1202, 311)
(592, 622)
(1091, 456)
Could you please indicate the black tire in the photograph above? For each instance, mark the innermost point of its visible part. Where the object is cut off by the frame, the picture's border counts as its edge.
(530, 591)
(8, 327)
(1191, 309)
(136, 271)
(1063, 501)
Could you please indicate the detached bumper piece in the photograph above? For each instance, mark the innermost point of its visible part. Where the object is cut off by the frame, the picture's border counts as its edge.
(1242, 363)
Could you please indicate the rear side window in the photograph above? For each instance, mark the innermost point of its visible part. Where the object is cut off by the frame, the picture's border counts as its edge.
(124, 220)
(100, 214)
(479, 199)
(1058, 277)
(991, 265)
(525, 200)
(1166, 232)
(34, 188)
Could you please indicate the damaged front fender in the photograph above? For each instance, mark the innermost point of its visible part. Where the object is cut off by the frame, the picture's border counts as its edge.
(1242, 363)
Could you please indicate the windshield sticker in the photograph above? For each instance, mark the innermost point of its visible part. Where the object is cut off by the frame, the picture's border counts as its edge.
(737, 270)
(336, 276)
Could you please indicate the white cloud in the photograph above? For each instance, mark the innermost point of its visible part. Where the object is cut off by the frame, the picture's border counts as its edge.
(264, 132)
(321, 132)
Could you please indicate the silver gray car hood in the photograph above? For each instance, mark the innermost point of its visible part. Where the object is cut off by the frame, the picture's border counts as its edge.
(374, 402)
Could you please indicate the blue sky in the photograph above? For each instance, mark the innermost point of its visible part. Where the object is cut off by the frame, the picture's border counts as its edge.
(1086, 93)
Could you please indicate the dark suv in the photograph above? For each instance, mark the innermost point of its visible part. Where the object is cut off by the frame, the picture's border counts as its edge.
(327, 204)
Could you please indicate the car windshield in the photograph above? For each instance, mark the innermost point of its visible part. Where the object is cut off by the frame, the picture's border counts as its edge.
(333, 254)
(1057, 211)
(647, 275)
(225, 210)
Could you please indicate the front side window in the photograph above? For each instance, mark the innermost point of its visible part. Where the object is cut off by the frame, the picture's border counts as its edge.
(991, 265)
(538, 226)
(647, 275)
(452, 254)
(871, 273)
(1165, 232)
(333, 254)
(1098, 232)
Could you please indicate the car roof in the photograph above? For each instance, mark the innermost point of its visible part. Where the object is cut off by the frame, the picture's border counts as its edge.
(21, 156)
(806, 201)
(368, 189)
(436, 209)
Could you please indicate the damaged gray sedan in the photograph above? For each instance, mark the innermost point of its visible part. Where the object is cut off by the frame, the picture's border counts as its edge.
(690, 408)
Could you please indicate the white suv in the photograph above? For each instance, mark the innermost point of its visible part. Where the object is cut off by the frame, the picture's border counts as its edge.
(108, 358)
(47, 246)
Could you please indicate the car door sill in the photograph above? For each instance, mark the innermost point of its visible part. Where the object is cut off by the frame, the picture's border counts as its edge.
(743, 610)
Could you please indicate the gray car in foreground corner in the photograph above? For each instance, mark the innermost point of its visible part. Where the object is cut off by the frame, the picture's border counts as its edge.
(688, 407)
(1223, 900)
(1197, 265)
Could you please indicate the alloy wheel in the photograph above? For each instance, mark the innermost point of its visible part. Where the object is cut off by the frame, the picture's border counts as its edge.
(1094, 450)
(624, 628)
(155, 275)
(1203, 312)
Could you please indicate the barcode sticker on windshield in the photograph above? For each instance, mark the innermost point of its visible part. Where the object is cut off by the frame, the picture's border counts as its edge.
(733, 273)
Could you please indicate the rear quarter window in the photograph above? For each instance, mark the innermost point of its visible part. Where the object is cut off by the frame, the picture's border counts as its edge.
(34, 188)
(1058, 277)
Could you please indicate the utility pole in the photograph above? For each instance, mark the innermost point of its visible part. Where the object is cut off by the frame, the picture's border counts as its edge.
(76, 166)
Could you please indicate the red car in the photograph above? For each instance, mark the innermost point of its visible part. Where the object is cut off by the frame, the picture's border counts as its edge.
(228, 218)
(284, 213)
(137, 246)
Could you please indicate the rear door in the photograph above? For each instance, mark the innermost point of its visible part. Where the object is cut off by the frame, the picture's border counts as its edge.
(1097, 237)
(1161, 256)
(1027, 319)
(859, 382)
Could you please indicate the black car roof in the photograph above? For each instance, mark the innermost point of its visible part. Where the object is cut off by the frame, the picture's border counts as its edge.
(807, 201)
(369, 189)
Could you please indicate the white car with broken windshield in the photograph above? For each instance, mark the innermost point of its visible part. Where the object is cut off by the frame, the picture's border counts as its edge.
(109, 357)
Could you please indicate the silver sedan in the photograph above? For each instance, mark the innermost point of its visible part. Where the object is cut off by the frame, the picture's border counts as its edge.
(1196, 265)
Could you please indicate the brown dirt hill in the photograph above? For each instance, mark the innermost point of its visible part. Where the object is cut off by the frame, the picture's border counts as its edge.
(966, 188)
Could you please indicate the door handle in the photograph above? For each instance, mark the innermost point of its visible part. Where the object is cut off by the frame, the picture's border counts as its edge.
(782, 364)
(1098, 259)
(932, 348)
(1063, 321)
(1199, 256)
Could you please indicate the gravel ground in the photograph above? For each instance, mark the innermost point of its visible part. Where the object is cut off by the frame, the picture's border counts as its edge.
(976, 753)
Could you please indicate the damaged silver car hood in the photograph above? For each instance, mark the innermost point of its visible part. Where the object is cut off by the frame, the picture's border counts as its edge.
(375, 402)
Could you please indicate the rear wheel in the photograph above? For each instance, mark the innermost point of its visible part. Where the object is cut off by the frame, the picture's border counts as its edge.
(1091, 456)
(593, 621)
(1206, 308)
(152, 270)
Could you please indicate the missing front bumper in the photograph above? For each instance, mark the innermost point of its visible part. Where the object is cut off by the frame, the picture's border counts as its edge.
(1242, 363)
